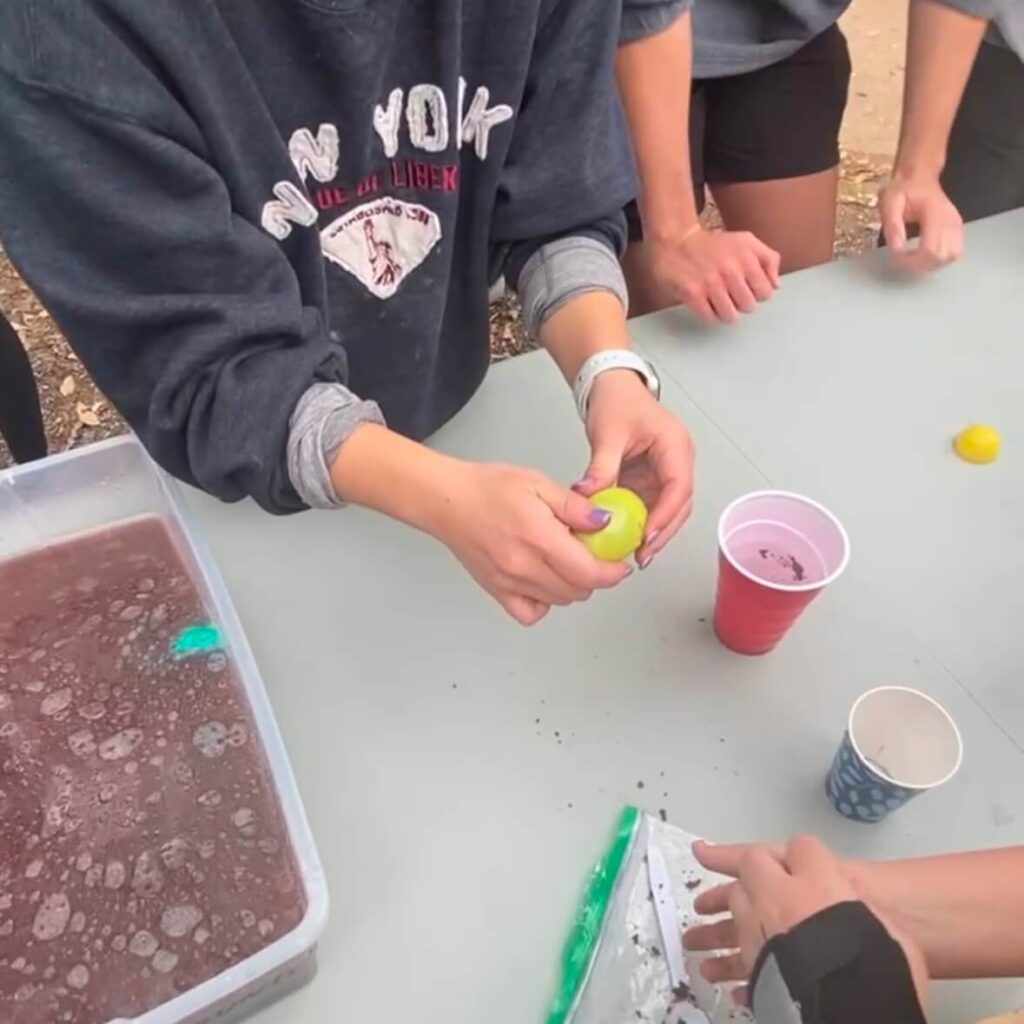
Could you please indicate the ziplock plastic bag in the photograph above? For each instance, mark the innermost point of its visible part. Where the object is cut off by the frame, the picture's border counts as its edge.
(623, 962)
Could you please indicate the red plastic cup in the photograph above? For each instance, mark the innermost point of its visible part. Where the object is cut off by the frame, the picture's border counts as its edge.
(776, 552)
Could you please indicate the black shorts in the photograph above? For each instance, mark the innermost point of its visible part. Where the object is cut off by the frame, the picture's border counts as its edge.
(984, 172)
(779, 122)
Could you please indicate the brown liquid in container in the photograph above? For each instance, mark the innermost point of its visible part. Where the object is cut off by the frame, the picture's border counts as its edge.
(142, 846)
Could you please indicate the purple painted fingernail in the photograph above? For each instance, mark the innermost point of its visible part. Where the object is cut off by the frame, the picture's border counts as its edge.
(599, 517)
(582, 485)
(645, 562)
(652, 537)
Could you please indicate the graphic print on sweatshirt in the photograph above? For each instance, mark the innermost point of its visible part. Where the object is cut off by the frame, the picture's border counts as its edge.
(383, 239)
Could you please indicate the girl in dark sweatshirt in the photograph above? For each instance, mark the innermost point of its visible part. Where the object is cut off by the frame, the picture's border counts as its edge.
(270, 229)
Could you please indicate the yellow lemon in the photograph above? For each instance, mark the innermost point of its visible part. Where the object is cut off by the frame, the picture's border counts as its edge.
(625, 533)
(977, 443)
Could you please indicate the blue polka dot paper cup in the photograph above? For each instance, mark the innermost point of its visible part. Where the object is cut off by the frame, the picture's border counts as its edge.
(899, 743)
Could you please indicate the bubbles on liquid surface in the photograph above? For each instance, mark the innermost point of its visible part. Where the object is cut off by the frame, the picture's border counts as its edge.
(115, 875)
(78, 976)
(243, 817)
(82, 743)
(196, 775)
(92, 711)
(164, 961)
(147, 879)
(55, 702)
(238, 735)
(210, 739)
(143, 944)
(51, 917)
(174, 853)
(121, 744)
(177, 922)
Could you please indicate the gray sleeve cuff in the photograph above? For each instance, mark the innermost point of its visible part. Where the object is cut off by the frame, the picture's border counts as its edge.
(563, 270)
(643, 18)
(324, 417)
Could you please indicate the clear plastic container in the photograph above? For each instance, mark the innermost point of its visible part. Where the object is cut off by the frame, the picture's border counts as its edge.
(102, 486)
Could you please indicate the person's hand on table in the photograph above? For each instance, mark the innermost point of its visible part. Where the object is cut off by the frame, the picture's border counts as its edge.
(511, 530)
(637, 443)
(919, 200)
(716, 274)
(775, 889)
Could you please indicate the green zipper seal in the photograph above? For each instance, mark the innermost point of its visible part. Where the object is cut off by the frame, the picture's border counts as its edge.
(588, 925)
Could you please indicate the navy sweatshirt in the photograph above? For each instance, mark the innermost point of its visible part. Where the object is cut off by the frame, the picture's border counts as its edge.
(223, 202)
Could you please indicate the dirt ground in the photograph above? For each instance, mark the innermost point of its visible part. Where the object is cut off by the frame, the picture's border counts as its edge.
(76, 413)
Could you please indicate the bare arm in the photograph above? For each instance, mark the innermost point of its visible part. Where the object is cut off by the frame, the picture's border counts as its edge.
(654, 79)
(592, 323)
(716, 274)
(963, 910)
(942, 45)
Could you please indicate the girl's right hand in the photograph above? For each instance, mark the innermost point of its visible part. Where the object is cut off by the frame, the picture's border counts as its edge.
(511, 529)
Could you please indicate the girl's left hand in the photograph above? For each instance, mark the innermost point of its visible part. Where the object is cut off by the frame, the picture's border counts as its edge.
(637, 443)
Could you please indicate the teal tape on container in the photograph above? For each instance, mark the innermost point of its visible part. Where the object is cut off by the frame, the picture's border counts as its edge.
(585, 937)
(195, 640)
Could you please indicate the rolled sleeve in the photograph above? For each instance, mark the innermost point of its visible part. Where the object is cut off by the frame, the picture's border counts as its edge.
(564, 270)
(643, 18)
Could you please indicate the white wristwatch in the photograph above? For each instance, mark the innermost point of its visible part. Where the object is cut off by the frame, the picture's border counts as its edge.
(614, 359)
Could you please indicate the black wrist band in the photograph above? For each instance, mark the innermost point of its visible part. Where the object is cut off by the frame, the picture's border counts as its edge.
(842, 967)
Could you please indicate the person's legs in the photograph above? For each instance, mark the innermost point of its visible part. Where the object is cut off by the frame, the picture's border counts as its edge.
(795, 216)
(21, 421)
(772, 150)
(984, 172)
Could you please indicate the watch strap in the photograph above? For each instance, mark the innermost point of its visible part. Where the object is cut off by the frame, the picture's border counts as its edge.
(602, 362)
